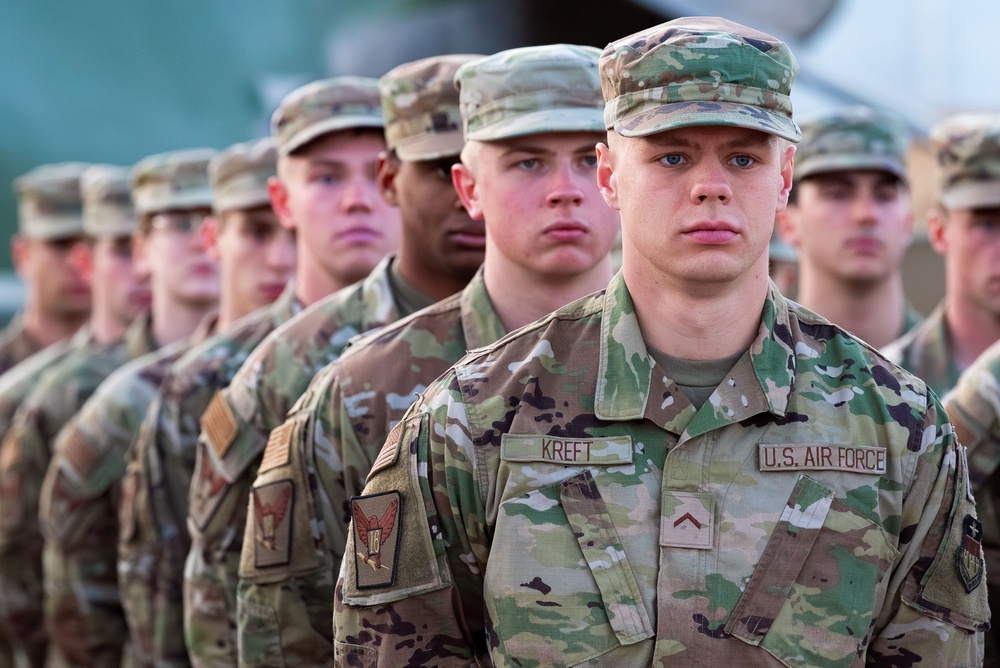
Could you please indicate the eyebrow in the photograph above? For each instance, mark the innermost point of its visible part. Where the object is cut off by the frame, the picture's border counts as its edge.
(749, 141)
(540, 150)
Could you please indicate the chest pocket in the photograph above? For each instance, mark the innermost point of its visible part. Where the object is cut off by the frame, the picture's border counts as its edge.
(812, 597)
(559, 587)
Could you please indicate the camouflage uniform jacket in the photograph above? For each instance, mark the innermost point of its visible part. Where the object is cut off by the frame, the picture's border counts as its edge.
(554, 499)
(974, 408)
(16, 345)
(79, 507)
(322, 454)
(152, 548)
(235, 429)
(55, 397)
(924, 351)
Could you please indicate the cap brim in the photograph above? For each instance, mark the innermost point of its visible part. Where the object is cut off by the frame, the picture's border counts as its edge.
(246, 200)
(429, 146)
(332, 124)
(563, 119)
(972, 195)
(698, 113)
(192, 199)
(52, 227)
(825, 164)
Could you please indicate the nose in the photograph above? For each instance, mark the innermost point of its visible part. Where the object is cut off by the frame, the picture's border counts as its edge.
(710, 183)
(863, 208)
(565, 188)
(357, 194)
(281, 252)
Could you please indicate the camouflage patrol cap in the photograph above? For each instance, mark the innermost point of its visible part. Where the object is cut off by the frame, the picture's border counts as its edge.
(239, 174)
(967, 147)
(49, 202)
(174, 180)
(420, 108)
(325, 106)
(535, 89)
(698, 71)
(852, 138)
(107, 202)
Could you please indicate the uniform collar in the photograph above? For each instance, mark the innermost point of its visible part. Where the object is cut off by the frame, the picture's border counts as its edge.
(480, 322)
(632, 386)
(139, 336)
(380, 306)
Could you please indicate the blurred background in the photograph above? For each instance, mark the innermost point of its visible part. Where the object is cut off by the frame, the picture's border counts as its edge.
(115, 80)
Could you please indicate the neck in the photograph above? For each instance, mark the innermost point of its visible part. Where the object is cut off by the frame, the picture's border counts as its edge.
(697, 334)
(970, 330)
(520, 296)
(174, 319)
(312, 282)
(429, 280)
(229, 309)
(47, 328)
(872, 311)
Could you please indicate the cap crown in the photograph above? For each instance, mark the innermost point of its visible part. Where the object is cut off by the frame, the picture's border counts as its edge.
(967, 148)
(107, 202)
(240, 173)
(325, 106)
(852, 138)
(50, 205)
(420, 108)
(698, 71)
(174, 180)
(553, 88)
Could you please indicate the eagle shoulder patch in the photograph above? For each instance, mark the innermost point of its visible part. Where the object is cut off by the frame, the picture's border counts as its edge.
(376, 538)
(272, 518)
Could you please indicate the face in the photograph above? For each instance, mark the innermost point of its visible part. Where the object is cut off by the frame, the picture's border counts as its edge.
(327, 192)
(438, 231)
(854, 225)
(256, 255)
(539, 198)
(174, 254)
(56, 283)
(697, 204)
(969, 240)
(114, 273)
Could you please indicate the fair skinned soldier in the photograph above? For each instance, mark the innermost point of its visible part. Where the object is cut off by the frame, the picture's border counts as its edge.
(79, 493)
(640, 478)
(849, 218)
(114, 334)
(57, 297)
(256, 257)
(329, 138)
(964, 228)
(553, 173)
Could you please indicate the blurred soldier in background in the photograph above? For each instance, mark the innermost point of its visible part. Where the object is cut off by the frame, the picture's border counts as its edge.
(329, 137)
(965, 229)
(849, 217)
(256, 257)
(57, 298)
(534, 264)
(115, 333)
(782, 265)
(79, 509)
(686, 469)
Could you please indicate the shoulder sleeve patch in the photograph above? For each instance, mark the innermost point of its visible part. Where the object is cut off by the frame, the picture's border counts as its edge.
(376, 540)
(79, 453)
(219, 424)
(272, 518)
(389, 452)
(208, 488)
(276, 451)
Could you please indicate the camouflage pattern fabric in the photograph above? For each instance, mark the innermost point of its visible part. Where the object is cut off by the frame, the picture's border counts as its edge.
(924, 352)
(20, 592)
(974, 408)
(325, 106)
(967, 148)
(323, 454)
(79, 510)
(152, 550)
(235, 430)
(852, 138)
(554, 499)
(49, 202)
(55, 397)
(16, 344)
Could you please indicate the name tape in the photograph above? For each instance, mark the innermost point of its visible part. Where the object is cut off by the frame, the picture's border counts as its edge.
(813, 457)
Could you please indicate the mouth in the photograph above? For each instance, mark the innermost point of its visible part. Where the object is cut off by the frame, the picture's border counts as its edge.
(566, 231)
(358, 234)
(473, 238)
(204, 269)
(712, 233)
(865, 245)
(272, 290)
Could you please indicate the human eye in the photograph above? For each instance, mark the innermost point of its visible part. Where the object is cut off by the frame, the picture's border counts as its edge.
(673, 159)
(589, 161)
(529, 163)
(743, 161)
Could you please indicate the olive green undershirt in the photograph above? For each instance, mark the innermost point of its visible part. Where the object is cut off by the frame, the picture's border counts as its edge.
(408, 298)
(697, 379)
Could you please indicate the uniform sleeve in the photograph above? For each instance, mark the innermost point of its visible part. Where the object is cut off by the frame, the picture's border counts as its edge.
(936, 606)
(410, 590)
(974, 408)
